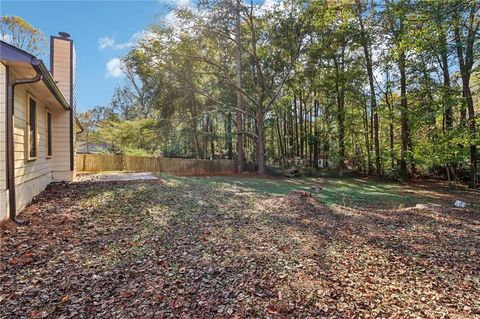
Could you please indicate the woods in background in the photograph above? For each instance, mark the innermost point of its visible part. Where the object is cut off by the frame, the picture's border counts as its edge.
(389, 88)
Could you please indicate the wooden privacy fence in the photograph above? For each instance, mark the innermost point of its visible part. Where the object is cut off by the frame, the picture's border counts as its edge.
(174, 166)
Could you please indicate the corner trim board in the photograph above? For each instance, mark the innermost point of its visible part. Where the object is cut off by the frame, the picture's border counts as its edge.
(72, 158)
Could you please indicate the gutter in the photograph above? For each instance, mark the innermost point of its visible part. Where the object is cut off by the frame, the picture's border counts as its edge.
(9, 52)
(51, 85)
(10, 136)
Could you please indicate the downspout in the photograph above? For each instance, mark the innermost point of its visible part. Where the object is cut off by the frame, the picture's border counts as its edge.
(10, 138)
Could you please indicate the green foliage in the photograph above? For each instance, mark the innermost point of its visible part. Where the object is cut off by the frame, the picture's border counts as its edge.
(129, 137)
(306, 86)
(18, 32)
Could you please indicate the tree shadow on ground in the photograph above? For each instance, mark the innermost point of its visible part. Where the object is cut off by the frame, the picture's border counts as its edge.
(186, 248)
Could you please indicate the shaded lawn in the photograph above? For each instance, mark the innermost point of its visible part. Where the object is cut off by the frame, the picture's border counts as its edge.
(221, 248)
(352, 192)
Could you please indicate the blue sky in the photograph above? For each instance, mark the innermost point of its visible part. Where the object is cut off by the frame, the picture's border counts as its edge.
(102, 32)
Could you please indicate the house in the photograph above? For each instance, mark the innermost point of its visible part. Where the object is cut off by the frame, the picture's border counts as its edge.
(37, 122)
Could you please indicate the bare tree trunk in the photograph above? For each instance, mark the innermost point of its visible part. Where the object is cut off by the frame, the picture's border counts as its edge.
(310, 140)
(262, 169)
(287, 146)
(340, 112)
(367, 140)
(316, 137)
(447, 100)
(196, 142)
(229, 136)
(280, 138)
(206, 131)
(196, 147)
(373, 100)
(212, 137)
(465, 60)
(240, 108)
(390, 125)
(447, 169)
(404, 116)
(297, 148)
(301, 124)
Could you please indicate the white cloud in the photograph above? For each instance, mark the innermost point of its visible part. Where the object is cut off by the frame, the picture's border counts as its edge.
(176, 3)
(105, 42)
(110, 42)
(114, 68)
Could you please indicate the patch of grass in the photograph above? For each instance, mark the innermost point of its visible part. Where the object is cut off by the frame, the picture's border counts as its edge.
(347, 192)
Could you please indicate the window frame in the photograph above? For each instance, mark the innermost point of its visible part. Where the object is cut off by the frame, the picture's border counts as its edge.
(27, 128)
(48, 137)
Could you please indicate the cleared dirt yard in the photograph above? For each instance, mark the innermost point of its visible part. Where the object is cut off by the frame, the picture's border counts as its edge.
(243, 247)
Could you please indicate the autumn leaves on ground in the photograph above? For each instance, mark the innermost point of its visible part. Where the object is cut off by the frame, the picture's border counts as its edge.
(235, 248)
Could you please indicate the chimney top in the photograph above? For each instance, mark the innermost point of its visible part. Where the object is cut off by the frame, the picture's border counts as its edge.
(64, 34)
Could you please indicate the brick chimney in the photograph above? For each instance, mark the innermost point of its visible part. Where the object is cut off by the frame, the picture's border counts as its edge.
(63, 64)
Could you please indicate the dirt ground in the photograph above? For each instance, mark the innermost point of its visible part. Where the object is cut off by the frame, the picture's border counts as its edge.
(197, 248)
(115, 177)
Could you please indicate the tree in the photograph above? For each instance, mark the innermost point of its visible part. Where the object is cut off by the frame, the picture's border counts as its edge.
(365, 40)
(23, 35)
(466, 24)
(365, 86)
(395, 19)
(240, 109)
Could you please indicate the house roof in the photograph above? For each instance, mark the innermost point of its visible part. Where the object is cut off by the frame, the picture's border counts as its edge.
(14, 55)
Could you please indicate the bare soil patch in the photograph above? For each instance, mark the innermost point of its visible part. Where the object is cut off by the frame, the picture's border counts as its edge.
(115, 177)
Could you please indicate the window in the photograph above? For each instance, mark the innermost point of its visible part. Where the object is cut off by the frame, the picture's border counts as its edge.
(49, 134)
(31, 116)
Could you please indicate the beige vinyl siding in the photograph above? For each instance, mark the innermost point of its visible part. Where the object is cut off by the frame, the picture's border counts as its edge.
(31, 176)
(74, 79)
(61, 66)
(3, 164)
(61, 142)
(61, 127)
(61, 121)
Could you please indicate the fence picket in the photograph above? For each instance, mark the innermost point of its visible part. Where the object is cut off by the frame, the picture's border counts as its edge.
(174, 166)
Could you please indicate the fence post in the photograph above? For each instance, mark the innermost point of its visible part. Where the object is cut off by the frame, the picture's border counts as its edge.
(84, 160)
(160, 165)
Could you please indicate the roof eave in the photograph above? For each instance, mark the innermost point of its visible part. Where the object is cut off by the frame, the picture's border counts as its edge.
(51, 84)
(9, 52)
